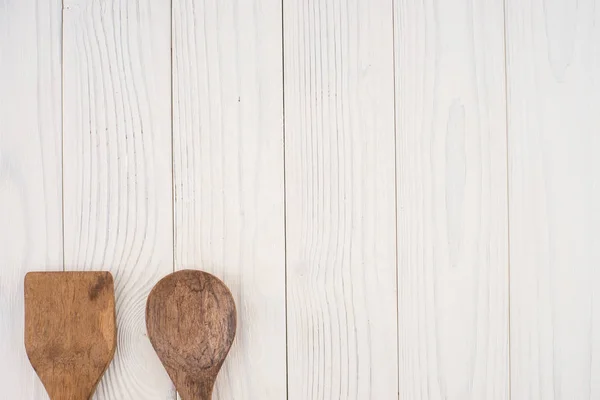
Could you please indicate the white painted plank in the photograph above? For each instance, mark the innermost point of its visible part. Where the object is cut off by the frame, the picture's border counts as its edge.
(30, 173)
(452, 200)
(117, 169)
(553, 65)
(340, 208)
(228, 158)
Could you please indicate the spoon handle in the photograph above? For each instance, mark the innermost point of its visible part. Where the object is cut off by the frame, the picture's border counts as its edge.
(196, 389)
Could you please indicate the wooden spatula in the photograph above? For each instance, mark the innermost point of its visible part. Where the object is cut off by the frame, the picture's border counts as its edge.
(191, 322)
(70, 330)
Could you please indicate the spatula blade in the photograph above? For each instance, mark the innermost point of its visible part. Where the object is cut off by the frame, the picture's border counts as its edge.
(70, 330)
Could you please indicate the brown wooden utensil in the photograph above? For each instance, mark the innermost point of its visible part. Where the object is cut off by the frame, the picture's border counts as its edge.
(70, 330)
(191, 322)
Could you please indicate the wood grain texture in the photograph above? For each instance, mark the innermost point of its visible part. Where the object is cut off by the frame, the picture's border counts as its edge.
(452, 200)
(553, 65)
(191, 321)
(117, 169)
(70, 330)
(30, 172)
(340, 212)
(228, 176)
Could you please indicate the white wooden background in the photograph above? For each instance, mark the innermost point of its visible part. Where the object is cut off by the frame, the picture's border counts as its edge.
(403, 195)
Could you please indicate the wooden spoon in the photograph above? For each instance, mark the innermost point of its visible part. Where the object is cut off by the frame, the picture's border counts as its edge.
(70, 330)
(191, 322)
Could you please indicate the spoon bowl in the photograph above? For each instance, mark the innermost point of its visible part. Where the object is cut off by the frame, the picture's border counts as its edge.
(191, 323)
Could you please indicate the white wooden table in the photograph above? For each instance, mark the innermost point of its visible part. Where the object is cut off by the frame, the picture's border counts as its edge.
(403, 195)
